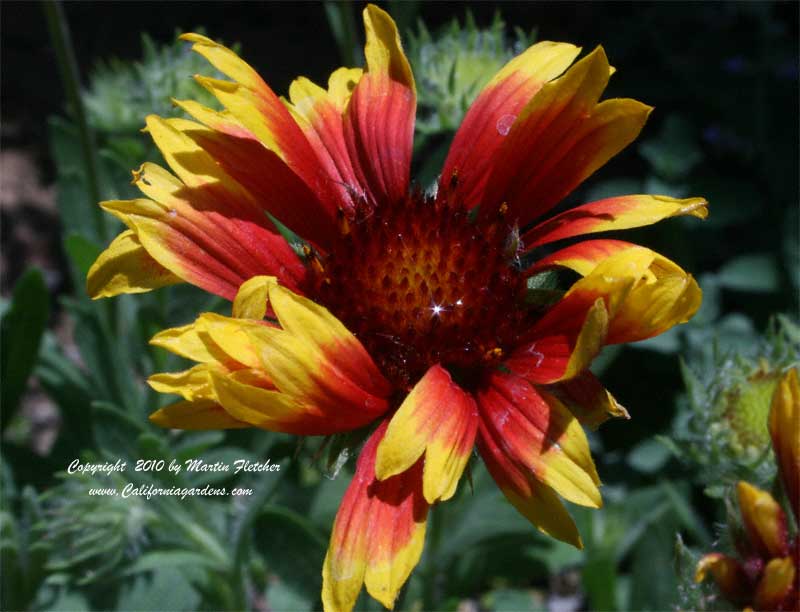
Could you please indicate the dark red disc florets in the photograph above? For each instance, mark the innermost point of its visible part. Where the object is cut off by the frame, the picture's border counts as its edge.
(421, 282)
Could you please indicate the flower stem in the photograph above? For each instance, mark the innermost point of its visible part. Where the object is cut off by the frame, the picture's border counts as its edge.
(431, 591)
(241, 540)
(343, 25)
(68, 66)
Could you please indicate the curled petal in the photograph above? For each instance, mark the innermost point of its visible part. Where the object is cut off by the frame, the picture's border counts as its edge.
(616, 213)
(646, 294)
(378, 534)
(196, 415)
(784, 425)
(437, 419)
(728, 575)
(126, 267)
(269, 409)
(193, 384)
(763, 520)
(490, 117)
(232, 338)
(563, 343)
(191, 342)
(539, 436)
(587, 399)
(251, 299)
(383, 49)
(582, 257)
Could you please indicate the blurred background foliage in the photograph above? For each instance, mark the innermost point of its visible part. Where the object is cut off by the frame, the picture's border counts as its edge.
(724, 80)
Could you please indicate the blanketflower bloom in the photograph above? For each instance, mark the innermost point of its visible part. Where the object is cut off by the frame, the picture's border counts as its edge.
(412, 312)
(765, 576)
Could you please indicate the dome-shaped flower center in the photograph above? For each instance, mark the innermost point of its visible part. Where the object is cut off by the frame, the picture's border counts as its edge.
(420, 283)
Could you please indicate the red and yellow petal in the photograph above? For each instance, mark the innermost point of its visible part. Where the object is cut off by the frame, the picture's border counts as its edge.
(582, 257)
(588, 400)
(763, 520)
(728, 574)
(622, 212)
(539, 436)
(311, 359)
(319, 113)
(489, 119)
(270, 409)
(269, 182)
(535, 501)
(437, 419)
(784, 425)
(211, 234)
(379, 119)
(250, 100)
(560, 138)
(310, 376)
(563, 343)
(126, 267)
(378, 534)
(315, 326)
(778, 586)
(645, 293)
(540, 137)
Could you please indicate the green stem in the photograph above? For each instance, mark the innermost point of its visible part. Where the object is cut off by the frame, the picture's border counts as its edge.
(68, 66)
(431, 590)
(241, 540)
(343, 25)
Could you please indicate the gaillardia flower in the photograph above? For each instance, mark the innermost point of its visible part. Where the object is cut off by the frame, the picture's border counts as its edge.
(765, 577)
(405, 310)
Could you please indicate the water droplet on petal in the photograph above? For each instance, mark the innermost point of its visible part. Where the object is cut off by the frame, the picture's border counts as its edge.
(504, 124)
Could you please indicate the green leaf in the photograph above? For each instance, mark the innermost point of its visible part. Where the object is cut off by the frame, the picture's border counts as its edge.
(757, 273)
(159, 559)
(674, 153)
(599, 579)
(192, 444)
(67, 386)
(477, 516)
(514, 600)
(654, 585)
(83, 253)
(685, 513)
(115, 429)
(649, 456)
(21, 332)
(612, 188)
(293, 549)
(280, 596)
(165, 589)
(668, 343)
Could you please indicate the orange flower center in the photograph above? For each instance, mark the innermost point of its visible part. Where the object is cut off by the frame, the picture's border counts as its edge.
(420, 282)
